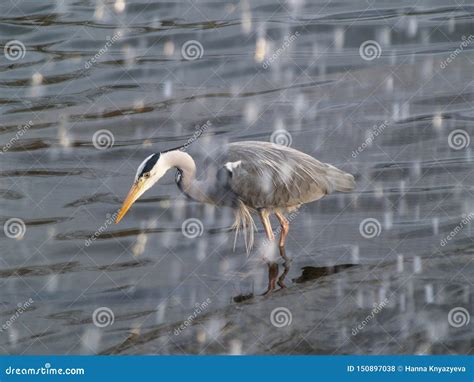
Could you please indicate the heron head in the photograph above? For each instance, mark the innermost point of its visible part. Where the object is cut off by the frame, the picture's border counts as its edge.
(148, 173)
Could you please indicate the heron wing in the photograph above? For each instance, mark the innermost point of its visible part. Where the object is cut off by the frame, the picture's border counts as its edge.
(266, 175)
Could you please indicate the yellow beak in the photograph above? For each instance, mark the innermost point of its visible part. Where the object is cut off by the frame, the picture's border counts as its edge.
(132, 196)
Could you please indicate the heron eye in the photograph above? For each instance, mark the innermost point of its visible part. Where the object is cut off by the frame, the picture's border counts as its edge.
(146, 175)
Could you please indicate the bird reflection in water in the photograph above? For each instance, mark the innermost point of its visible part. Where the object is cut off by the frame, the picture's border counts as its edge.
(309, 273)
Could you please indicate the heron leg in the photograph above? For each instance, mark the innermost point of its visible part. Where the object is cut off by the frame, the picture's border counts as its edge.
(272, 266)
(265, 218)
(285, 227)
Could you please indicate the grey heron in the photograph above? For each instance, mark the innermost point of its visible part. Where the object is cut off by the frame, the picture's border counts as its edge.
(252, 178)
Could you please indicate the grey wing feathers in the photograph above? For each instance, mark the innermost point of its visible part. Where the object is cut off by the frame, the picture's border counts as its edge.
(266, 175)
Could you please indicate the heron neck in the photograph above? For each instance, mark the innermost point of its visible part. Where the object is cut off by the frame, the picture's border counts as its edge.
(186, 179)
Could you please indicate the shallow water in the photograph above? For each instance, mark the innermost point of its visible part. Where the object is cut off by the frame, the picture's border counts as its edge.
(288, 71)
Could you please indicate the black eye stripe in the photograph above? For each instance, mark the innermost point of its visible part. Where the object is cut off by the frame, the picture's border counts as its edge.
(150, 163)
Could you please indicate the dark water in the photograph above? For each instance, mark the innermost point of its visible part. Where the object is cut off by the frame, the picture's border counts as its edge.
(286, 71)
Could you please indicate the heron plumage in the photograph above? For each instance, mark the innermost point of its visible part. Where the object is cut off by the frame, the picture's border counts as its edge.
(272, 176)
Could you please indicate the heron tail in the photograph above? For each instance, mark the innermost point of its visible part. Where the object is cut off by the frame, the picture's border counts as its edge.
(244, 221)
(340, 180)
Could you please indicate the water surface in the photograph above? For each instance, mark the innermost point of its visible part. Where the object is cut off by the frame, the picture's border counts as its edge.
(292, 69)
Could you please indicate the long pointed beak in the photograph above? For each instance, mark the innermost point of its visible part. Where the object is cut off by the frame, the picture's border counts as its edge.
(132, 196)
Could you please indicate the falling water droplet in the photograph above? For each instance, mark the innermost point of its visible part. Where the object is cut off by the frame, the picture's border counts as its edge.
(438, 121)
(90, 340)
(339, 37)
(119, 6)
(246, 19)
(412, 26)
(399, 263)
(167, 88)
(417, 266)
(388, 220)
(168, 48)
(355, 254)
(260, 49)
(52, 283)
(235, 347)
(429, 296)
(435, 223)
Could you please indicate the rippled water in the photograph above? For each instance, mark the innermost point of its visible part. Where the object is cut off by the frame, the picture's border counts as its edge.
(399, 119)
